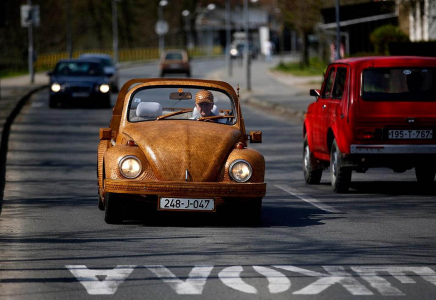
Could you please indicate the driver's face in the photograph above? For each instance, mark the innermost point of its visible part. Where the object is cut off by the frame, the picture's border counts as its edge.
(204, 108)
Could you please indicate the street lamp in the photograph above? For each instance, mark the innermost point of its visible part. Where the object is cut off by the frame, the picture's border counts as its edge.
(228, 39)
(186, 14)
(210, 7)
(163, 25)
(247, 44)
(115, 29)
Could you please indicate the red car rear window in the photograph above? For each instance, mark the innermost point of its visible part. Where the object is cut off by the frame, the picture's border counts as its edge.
(399, 84)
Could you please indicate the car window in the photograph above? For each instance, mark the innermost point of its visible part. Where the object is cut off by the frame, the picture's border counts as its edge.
(340, 78)
(78, 69)
(174, 56)
(148, 104)
(399, 84)
(329, 83)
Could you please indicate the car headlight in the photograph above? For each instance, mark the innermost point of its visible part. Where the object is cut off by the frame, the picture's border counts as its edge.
(104, 88)
(55, 87)
(233, 52)
(130, 166)
(240, 170)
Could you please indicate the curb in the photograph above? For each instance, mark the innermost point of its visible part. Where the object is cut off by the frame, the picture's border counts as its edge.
(5, 138)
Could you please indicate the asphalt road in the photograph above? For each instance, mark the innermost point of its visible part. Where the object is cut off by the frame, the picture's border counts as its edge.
(376, 242)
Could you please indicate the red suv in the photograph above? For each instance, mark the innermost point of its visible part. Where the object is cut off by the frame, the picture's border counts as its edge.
(372, 112)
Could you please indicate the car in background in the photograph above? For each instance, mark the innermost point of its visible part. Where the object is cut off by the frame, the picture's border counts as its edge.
(237, 50)
(79, 81)
(159, 152)
(174, 61)
(372, 112)
(110, 69)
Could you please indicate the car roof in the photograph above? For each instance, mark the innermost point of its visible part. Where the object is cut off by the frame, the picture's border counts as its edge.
(79, 60)
(389, 61)
(96, 55)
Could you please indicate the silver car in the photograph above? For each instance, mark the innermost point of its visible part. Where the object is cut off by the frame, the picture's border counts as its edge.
(110, 69)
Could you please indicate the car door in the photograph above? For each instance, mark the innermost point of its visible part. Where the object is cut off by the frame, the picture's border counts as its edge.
(332, 107)
(320, 121)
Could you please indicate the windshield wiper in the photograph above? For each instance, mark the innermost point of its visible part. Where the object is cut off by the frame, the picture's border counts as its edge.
(214, 118)
(173, 114)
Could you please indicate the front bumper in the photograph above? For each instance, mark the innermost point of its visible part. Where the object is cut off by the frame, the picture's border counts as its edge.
(190, 189)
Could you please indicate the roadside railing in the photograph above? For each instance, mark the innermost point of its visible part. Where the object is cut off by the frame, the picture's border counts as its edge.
(48, 61)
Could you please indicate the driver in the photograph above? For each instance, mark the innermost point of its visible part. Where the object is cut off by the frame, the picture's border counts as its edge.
(204, 104)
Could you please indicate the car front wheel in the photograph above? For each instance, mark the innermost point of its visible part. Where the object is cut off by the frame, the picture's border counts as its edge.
(312, 174)
(340, 176)
(113, 209)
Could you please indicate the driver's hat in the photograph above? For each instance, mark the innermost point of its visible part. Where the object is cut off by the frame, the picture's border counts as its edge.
(204, 96)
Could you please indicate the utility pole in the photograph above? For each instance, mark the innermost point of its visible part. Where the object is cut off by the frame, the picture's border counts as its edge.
(69, 35)
(30, 49)
(115, 30)
(247, 50)
(228, 38)
(338, 32)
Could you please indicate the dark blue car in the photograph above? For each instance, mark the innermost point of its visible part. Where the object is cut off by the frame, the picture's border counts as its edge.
(81, 81)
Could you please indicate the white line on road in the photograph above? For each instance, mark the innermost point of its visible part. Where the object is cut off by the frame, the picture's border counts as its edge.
(308, 199)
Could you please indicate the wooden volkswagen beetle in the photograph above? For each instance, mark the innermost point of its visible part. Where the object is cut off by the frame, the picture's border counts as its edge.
(164, 148)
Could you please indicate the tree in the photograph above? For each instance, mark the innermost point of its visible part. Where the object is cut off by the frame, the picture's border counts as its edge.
(303, 15)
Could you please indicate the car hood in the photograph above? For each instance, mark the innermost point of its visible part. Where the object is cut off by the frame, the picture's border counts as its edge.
(78, 79)
(172, 147)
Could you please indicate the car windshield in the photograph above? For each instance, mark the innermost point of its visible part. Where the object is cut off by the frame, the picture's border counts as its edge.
(174, 56)
(399, 84)
(78, 69)
(178, 103)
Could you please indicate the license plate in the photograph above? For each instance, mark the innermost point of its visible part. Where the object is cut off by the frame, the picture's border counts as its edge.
(186, 204)
(174, 66)
(81, 95)
(411, 134)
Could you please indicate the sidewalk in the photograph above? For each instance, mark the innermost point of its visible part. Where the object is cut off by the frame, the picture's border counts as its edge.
(283, 93)
(12, 90)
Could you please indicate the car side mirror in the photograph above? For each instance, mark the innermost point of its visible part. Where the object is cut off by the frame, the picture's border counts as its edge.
(105, 134)
(315, 93)
(255, 136)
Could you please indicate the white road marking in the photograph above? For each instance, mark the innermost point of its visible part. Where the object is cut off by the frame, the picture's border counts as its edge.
(278, 282)
(310, 200)
(369, 273)
(192, 286)
(108, 286)
(231, 277)
(337, 275)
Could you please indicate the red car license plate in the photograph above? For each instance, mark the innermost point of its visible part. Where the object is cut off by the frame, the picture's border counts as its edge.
(411, 134)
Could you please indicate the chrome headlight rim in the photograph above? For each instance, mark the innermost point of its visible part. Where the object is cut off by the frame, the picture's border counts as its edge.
(249, 167)
(55, 87)
(120, 164)
(104, 88)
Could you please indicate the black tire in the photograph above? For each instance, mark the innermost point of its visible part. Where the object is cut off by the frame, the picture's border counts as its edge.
(52, 103)
(162, 74)
(188, 74)
(312, 172)
(100, 202)
(252, 213)
(113, 213)
(340, 176)
(425, 174)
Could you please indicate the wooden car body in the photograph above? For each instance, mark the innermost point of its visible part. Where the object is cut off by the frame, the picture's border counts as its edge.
(179, 158)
